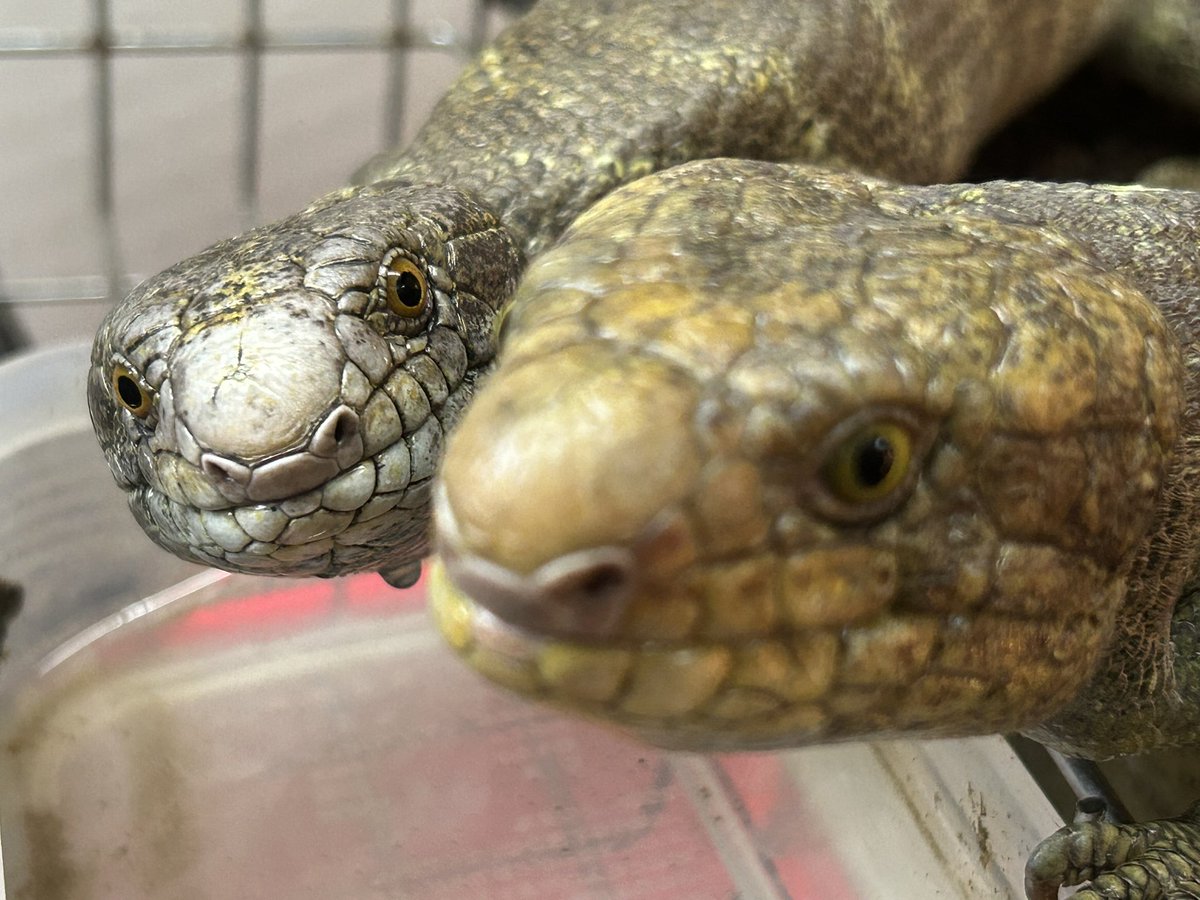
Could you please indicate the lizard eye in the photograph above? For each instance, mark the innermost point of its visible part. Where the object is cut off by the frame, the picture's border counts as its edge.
(131, 392)
(869, 466)
(403, 285)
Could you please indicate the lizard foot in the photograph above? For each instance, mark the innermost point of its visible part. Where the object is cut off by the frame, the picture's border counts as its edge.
(1157, 860)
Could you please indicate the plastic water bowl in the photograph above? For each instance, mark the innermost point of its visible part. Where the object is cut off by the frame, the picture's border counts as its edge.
(171, 732)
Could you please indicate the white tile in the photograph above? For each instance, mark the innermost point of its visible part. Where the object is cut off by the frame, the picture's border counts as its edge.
(178, 132)
(322, 118)
(177, 15)
(47, 169)
(66, 15)
(319, 16)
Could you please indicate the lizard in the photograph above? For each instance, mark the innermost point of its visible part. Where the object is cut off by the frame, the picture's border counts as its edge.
(777, 455)
(279, 402)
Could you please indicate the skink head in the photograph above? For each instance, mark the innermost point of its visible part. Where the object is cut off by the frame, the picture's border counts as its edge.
(769, 460)
(277, 403)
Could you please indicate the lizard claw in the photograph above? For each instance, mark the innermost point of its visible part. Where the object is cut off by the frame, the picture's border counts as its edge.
(1157, 860)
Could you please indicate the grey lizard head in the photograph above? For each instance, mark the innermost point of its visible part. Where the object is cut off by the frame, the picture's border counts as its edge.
(277, 403)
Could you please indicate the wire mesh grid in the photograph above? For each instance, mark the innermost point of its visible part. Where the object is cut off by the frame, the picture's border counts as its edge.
(134, 132)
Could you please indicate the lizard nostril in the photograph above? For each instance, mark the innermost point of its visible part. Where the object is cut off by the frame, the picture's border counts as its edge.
(224, 471)
(603, 581)
(581, 594)
(591, 584)
(339, 429)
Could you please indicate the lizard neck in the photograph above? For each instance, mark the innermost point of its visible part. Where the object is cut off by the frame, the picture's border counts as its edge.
(1146, 691)
(568, 105)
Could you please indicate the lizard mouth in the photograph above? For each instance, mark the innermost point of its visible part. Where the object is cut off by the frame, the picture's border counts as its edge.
(561, 636)
(344, 502)
(760, 652)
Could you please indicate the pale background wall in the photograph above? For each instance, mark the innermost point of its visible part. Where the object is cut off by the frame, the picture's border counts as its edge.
(177, 125)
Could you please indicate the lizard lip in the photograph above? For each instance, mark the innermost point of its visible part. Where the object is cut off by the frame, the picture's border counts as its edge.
(579, 595)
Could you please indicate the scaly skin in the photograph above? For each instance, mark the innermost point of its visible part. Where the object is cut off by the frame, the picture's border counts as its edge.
(1119, 862)
(1160, 45)
(643, 517)
(288, 421)
(683, 566)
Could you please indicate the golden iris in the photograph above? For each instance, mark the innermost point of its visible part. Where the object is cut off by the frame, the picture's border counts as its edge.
(404, 287)
(131, 392)
(870, 464)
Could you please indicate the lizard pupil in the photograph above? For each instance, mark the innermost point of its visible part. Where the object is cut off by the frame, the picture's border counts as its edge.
(874, 461)
(408, 290)
(130, 393)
